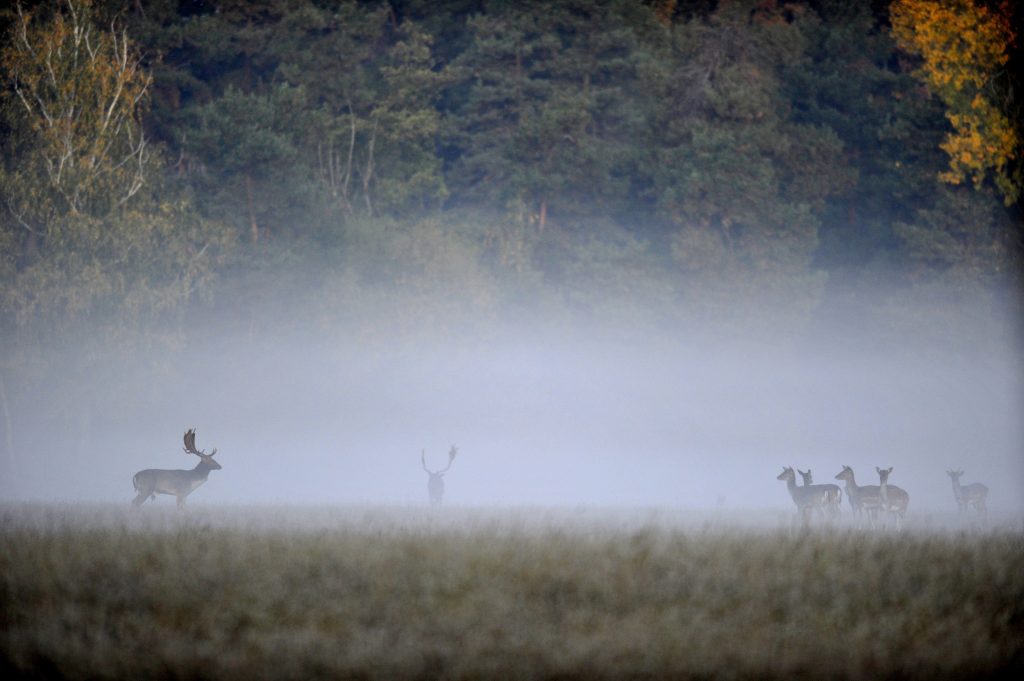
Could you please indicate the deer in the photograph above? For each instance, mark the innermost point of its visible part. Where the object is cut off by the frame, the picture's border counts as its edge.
(152, 481)
(974, 495)
(894, 499)
(808, 499)
(865, 500)
(435, 483)
(833, 495)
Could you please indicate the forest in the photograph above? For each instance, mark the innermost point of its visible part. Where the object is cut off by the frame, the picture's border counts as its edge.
(800, 173)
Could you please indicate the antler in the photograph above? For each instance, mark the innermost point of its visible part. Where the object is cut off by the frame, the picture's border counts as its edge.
(190, 441)
(451, 457)
(190, 444)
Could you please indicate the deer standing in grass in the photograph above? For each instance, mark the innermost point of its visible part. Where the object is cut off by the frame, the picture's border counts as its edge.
(894, 500)
(435, 484)
(974, 495)
(808, 499)
(865, 500)
(833, 495)
(180, 483)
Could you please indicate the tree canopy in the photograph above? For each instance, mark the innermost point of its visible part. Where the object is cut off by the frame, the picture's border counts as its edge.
(618, 159)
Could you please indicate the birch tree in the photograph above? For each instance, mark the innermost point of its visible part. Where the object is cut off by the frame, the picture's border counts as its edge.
(80, 92)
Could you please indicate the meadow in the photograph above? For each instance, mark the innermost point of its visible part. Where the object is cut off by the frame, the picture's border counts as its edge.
(225, 592)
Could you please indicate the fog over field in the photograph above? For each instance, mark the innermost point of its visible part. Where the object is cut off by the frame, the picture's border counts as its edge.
(551, 417)
(619, 254)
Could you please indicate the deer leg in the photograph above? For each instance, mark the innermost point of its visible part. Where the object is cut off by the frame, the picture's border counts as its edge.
(139, 499)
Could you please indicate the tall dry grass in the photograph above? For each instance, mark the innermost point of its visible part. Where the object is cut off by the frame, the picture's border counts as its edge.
(227, 593)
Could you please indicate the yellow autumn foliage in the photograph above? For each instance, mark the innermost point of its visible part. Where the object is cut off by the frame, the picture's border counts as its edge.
(962, 46)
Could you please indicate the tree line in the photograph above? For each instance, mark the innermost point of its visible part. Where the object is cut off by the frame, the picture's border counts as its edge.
(746, 163)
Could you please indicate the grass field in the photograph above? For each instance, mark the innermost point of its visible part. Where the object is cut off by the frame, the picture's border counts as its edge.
(93, 592)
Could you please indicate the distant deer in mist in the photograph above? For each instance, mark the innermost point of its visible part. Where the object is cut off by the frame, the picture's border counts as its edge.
(833, 495)
(865, 500)
(435, 483)
(894, 500)
(180, 483)
(809, 499)
(974, 495)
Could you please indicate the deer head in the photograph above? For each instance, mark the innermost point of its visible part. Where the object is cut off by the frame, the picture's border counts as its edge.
(845, 474)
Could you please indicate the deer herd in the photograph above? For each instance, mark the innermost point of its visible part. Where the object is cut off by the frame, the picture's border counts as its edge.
(870, 503)
(874, 504)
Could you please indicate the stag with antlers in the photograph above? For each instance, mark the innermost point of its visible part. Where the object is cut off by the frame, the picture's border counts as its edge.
(180, 483)
(435, 483)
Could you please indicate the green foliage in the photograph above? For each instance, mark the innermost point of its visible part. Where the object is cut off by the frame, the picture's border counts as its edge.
(545, 119)
(130, 273)
(958, 262)
(246, 143)
(741, 182)
(889, 133)
(308, 114)
(959, 239)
